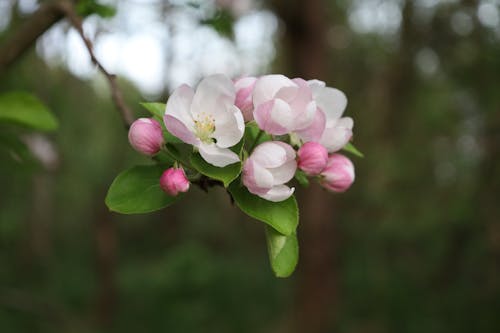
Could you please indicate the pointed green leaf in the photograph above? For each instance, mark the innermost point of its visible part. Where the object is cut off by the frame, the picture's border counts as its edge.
(137, 190)
(283, 216)
(26, 110)
(353, 150)
(158, 110)
(283, 252)
(226, 174)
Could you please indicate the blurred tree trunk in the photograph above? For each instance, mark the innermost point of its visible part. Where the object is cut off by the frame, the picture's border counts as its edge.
(306, 49)
(105, 251)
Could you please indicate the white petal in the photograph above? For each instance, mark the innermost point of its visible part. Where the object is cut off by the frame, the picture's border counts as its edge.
(316, 84)
(219, 157)
(213, 95)
(278, 193)
(267, 86)
(270, 154)
(263, 178)
(282, 115)
(337, 135)
(230, 128)
(332, 101)
(284, 173)
(179, 103)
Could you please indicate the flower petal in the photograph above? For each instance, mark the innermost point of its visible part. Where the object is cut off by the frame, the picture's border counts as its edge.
(256, 178)
(180, 130)
(283, 173)
(332, 101)
(229, 129)
(337, 134)
(267, 86)
(213, 95)
(272, 154)
(278, 193)
(214, 155)
(179, 103)
(315, 130)
(266, 113)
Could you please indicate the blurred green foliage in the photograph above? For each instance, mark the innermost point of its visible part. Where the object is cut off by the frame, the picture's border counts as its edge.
(419, 231)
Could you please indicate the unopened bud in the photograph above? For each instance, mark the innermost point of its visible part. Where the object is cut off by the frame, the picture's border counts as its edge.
(338, 174)
(145, 136)
(173, 181)
(312, 158)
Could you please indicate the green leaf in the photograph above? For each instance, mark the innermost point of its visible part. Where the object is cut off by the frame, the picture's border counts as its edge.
(137, 190)
(158, 110)
(226, 174)
(17, 151)
(254, 136)
(353, 150)
(283, 252)
(283, 216)
(26, 110)
(88, 7)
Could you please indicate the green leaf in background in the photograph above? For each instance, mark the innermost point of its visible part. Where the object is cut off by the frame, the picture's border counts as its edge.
(88, 7)
(226, 174)
(16, 150)
(353, 150)
(26, 110)
(137, 190)
(283, 252)
(158, 110)
(283, 216)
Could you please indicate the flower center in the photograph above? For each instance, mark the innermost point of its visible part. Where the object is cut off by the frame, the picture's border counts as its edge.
(204, 125)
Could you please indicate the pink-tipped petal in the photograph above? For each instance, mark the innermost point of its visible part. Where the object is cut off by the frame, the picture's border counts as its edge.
(179, 104)
(256, 178)
(244, 89)
(173, 181)
(267, 86)
(337, 134)
(262, 115)
(315, 130)
(179, 129)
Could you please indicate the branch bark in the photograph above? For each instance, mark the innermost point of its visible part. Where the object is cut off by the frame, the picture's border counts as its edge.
(45, 17)
(38, 23)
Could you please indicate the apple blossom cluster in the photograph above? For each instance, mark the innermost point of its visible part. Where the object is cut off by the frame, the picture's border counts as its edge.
(274, 126)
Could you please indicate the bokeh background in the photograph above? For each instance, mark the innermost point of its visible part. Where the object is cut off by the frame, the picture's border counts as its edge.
(413, 246)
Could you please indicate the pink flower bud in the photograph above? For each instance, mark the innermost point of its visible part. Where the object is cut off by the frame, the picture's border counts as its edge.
(312, 158)
(173, 181)
(145, 136)
(244, 88)
(338, 174)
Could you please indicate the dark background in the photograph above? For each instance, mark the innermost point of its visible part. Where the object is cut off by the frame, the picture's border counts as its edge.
(413, 246)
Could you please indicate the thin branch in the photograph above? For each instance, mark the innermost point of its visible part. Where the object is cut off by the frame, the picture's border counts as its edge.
(36, 25)
(116, 94)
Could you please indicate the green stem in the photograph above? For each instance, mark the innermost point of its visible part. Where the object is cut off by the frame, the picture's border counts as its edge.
(257, 138)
